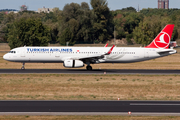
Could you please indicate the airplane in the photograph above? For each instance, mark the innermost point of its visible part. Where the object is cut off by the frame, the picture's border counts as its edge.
(76, 57)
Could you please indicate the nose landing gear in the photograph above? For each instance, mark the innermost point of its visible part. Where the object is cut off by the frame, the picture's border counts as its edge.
(23, 68)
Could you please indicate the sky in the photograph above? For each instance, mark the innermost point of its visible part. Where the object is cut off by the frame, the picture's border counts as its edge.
(112, 4)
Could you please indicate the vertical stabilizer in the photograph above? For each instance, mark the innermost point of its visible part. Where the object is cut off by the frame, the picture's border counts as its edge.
(163, 38)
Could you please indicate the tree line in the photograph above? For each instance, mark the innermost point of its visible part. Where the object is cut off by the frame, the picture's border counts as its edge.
(77, 23)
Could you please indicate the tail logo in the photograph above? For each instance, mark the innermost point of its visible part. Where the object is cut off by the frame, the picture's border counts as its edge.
(162, 40)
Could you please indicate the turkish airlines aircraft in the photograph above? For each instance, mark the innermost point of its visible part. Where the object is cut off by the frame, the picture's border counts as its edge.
(75, 57)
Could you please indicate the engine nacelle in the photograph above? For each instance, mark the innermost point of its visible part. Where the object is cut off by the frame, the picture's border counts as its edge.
(73, 63)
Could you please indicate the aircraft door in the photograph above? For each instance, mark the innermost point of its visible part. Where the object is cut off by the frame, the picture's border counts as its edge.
(57, 54)
(23, 52)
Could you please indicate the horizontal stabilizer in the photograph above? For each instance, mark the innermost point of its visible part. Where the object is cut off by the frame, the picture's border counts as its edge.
(166, 51)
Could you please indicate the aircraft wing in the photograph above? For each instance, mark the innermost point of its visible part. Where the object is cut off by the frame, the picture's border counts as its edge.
(93, 58)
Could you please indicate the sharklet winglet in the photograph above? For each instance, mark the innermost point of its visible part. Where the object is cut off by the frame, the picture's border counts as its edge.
(109, 52)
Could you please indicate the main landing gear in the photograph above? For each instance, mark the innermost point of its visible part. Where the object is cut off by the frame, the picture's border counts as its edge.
(23, 68)
(88, 67)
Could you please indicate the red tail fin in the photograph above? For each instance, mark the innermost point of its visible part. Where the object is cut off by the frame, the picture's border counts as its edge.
(163, 39)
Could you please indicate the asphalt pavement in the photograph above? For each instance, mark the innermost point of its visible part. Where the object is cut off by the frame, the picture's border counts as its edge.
(95, 71)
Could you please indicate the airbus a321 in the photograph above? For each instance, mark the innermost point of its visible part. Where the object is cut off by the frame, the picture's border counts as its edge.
(76, 57)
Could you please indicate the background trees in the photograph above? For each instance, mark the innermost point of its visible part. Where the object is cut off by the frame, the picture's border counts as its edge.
(125, 23)
(85, 25)
(149, 28)
(143, 26)
(102, 24)
(69, 24)
(28, 31)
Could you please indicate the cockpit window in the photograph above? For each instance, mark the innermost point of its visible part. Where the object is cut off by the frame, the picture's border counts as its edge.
(12, 51)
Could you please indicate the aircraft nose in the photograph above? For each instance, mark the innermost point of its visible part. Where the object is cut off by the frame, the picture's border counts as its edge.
(5, 57)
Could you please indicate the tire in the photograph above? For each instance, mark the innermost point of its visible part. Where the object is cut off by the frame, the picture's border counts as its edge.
(89, 68)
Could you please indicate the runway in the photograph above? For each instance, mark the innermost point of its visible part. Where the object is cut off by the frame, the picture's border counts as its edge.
(84, 71)
(89, 107)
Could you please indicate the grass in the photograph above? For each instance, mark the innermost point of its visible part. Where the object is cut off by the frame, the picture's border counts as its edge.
(89, 87)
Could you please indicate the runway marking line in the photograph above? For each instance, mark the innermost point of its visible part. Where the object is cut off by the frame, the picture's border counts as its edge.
(153, 104)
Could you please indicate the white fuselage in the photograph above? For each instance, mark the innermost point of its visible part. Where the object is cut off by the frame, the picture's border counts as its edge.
(60, 54)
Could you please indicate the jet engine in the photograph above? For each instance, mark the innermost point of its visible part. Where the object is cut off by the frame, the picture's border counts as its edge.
(73, 63)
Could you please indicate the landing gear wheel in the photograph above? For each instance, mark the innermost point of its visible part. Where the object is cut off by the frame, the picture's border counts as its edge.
(88, 67)
(23, 68)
